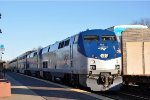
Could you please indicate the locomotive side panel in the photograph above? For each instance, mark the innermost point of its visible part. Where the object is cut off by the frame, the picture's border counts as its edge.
(13, 65)
(21, 65)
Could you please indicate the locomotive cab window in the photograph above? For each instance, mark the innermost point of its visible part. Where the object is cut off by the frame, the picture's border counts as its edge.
(91, 38)
(109, 38)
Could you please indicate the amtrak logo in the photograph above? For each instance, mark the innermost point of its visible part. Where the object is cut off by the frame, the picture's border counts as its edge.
(102, 47)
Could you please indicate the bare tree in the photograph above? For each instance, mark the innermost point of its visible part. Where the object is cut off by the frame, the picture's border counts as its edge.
(143, 21)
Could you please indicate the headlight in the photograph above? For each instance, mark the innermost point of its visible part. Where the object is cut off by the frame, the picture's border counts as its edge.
(104, 55)
(92, 61)
(117, 66)
(93, 67)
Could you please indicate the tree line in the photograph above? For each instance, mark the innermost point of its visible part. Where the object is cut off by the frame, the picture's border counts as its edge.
(143, 21)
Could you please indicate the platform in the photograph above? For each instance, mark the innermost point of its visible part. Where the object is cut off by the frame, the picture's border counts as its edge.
(29, 88)
(18, 93)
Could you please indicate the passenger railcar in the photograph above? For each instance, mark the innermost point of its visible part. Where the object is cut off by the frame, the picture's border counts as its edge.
(91, 58)
(33, 63)
(21, 63)
(13, 65)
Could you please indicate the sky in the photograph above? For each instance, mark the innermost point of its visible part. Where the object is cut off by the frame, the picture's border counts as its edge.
(29, 24)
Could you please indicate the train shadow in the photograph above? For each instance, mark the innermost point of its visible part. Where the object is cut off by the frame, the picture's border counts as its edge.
(53, 93)
(29, 86)
(113, 90)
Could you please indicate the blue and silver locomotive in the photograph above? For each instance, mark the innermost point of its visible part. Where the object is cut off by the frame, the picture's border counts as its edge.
(91, 58)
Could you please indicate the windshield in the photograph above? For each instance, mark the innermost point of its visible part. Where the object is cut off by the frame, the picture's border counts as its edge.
(91, 38)
(109, 38)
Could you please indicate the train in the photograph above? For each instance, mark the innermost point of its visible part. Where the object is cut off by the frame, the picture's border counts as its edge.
(91, 58)
(127, 34)
(135, 59)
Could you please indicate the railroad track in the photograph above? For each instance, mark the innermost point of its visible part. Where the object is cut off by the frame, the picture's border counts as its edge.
(125, 93)
(143, 93)
(128, 93)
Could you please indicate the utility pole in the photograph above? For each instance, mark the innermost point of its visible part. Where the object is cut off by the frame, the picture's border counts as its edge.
(1, 64)
(1, 32)
(1, 52)
(0, 18)
(1, 45)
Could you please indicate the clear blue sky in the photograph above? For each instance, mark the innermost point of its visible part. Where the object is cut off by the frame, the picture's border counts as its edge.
(27, 25)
